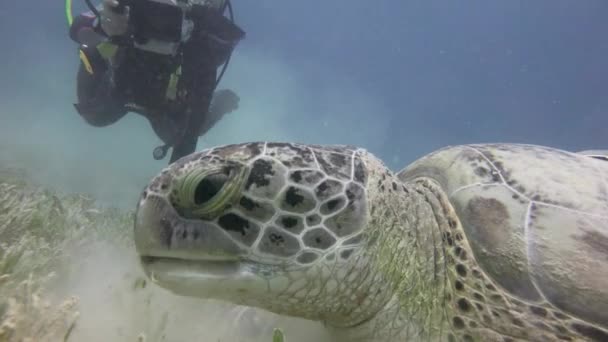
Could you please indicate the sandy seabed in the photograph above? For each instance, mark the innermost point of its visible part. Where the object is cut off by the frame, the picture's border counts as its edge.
(69, 272)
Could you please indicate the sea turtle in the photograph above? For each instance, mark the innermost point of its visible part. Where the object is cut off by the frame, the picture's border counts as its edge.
(487, 242)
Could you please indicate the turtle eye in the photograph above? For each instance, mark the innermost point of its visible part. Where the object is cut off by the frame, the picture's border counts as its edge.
(203, 194)
(209, 187)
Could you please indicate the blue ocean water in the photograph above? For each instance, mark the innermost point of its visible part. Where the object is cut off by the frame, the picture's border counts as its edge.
(401, 78)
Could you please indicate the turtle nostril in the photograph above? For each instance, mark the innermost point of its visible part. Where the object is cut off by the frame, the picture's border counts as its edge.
(209, 187)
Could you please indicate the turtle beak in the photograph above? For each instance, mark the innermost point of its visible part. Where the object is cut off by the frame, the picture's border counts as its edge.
(189, 257)
(160, 232)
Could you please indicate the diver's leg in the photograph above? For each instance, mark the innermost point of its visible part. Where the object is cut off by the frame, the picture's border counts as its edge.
(198, 77)
(186, 146)
(96, 102)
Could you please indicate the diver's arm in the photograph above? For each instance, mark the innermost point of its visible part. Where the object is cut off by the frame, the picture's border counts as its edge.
(98, 102)
(81, 23)
(97, 97)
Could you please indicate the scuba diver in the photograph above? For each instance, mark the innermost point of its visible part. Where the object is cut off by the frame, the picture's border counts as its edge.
(157, 58)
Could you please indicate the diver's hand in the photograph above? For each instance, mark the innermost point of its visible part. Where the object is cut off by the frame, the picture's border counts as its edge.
(113, 22)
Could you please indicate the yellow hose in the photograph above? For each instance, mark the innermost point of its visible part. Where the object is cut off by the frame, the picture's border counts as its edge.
(68, 11)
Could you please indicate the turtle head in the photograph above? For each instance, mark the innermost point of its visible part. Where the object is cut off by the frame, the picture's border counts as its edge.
(277, 226)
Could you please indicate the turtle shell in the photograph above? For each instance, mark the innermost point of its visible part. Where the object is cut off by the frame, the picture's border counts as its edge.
(536, 219)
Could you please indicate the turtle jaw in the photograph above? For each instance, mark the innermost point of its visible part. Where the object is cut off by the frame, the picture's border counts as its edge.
(188, 257)
(207, 279)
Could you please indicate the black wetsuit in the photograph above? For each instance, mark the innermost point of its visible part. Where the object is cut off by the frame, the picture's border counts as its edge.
(138, 80)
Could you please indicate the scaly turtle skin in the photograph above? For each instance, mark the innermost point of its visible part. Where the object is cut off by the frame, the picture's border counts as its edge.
(492, 242)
